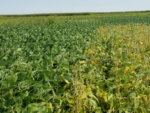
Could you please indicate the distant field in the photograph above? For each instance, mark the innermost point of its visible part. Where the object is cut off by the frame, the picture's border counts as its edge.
(75, 63)
(101, 18)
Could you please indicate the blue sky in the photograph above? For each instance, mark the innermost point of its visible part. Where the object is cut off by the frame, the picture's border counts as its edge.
(66, 6)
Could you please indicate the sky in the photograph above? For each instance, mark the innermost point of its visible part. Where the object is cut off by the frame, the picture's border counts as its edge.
(69, 6)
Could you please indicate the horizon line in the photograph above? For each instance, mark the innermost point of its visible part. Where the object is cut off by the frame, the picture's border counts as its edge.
(76, 12)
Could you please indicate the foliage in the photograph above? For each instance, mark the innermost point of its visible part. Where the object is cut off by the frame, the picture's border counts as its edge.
(115, 18)
(50, 21)
(120, 62)
(36, 65)
(71, 65)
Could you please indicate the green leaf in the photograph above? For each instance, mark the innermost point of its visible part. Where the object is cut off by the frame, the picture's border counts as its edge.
(111, 78)
(35, 107)
(137, 103)
(19, 49)
(9, 102)
(92, 103)
(132, 95)
(24, 94)
(32, 108)
(25, 83)
(83, 95)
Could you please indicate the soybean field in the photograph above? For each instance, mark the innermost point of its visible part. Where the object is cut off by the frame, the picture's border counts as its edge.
(87, 63)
